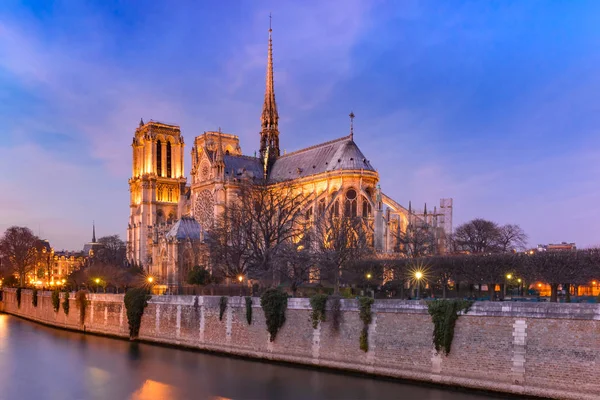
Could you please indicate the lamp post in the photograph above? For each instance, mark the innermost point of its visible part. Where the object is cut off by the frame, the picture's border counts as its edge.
(240, 280)
(508, 278)
(97, 280)
(368, 276)
(418, 276)
(520, 287)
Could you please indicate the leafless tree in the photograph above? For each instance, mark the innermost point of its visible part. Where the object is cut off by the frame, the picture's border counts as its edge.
(416, 241)
(477, 236)
(511, 237)
(256, 227)
(339, 242)
(20, 247)
(113, 250)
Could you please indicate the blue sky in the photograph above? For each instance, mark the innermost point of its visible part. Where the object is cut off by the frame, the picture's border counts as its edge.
(492, 103)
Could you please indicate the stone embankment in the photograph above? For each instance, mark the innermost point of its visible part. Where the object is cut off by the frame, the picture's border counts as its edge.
(538, 349)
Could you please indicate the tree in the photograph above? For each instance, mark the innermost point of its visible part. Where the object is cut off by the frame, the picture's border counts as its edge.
(20, 246)
(113, 250)
(512, 237)
(477, 236)
(338, 242)
(255, 228)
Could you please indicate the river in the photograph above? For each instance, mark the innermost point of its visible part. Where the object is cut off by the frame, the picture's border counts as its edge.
(38, 362)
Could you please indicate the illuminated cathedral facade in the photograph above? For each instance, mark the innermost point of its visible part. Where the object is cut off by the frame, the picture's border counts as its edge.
(170, 217)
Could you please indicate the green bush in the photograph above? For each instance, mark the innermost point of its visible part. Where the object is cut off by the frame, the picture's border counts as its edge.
(55, 300)
(65, 304)
(34, 297)
(364, 304)
(274, 304)
(444, 314)
(18, 293)
(249, 310)
(198, 276)
(82, 303)
(136, 300)
(222, 307)
(318, 303)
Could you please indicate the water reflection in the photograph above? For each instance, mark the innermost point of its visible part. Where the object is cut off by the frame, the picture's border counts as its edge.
(41, 362)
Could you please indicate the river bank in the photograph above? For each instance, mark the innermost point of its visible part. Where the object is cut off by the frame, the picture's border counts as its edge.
(548, 350)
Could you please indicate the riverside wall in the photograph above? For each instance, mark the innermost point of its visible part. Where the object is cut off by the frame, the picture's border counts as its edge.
(537, 349)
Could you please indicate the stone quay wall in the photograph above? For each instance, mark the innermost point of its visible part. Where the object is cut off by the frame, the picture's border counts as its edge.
(538, 349)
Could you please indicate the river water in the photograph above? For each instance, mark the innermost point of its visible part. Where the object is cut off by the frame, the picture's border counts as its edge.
(38, 362)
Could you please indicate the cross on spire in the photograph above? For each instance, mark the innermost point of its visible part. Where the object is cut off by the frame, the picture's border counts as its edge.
(351, 125)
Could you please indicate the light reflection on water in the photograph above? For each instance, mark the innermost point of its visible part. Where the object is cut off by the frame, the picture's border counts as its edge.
(38, 362)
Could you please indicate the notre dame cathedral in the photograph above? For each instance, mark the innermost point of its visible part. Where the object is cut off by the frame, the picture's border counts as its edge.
(169, 217)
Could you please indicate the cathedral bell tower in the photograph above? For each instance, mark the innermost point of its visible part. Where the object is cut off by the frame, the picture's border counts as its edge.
(156, 185)
(269, 134)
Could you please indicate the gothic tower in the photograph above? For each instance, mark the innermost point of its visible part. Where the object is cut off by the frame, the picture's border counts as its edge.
(269, 134)
(155, 187)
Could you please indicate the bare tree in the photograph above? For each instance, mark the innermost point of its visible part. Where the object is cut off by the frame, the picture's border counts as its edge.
(256, 227)
(113, 250)
(20, 246)
(511, 237)
(477, 236)
(339, 241)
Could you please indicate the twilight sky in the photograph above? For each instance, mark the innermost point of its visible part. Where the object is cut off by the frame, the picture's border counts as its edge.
(493, 103)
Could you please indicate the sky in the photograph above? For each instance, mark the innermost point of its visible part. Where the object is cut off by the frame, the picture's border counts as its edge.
(492, 103)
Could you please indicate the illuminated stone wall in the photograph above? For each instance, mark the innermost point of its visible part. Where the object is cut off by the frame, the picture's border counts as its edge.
(541, 349)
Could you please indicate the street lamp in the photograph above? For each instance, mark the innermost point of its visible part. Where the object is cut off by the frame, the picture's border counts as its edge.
(418, 276)
(240, 279)
(97, 280)
(520, 287)
(508, 278)
(150, 279)
(368, 276)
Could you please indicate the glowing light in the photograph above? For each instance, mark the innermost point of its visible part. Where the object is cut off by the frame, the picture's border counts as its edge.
(240, 278)
(64, 281)
(539, 285)
(368, 276)
(418, 274)
(594, 282)
(38, 283)
(519, 280)
(97, 280)
(508, 276)
(150, 279)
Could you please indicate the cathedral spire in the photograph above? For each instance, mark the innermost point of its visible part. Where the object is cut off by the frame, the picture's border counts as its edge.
(93, 231)
(269, 135)
(219, 161)
(351, 125)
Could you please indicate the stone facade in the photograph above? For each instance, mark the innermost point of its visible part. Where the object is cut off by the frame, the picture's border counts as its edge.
(544, 349)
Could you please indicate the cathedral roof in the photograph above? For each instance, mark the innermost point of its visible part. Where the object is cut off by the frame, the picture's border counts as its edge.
(236, 166)
(336, 155)
(185, 228)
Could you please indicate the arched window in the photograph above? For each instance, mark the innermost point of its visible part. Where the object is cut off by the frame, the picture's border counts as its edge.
(159, 158)
(336, 208)
(168, 159)
(321, 207)
(366, 208)
(351, 203)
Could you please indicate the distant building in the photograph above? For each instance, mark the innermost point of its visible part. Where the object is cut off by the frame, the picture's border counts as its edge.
(89, 249)
(564, 246)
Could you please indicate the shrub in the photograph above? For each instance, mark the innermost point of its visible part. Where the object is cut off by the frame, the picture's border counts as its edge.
(136, 300)
(198, 276)
(444, 314)
(34, 297)
(55, 300)
(274, 304)
(318, 303)
(65, 304)
(336, 312)
(249, 310)
(82, 303)
(18, 297)
(366, 317)
(222, 307)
